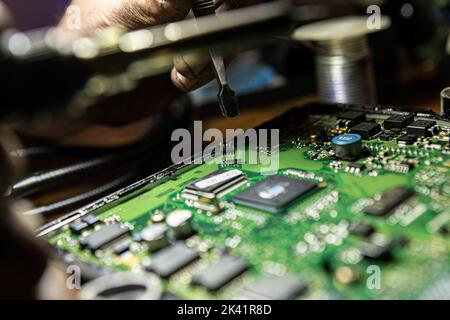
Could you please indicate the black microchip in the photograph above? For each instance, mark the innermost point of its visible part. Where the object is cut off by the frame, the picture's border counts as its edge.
(406, 139)
(220, 273)
(398, 121)
(366, 129)
(78, 226)
(91, 219)
(169, 260)
(361, 229)
(276, 288)
(274, 193)
(215, 183)
(389, 201)
(105, 236)
(420, 128)
(385, 137)
(352, 117)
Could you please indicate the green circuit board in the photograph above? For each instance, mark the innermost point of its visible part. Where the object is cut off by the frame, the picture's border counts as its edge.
(373, 227)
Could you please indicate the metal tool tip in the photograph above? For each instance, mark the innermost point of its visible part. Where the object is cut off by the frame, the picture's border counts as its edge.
(228, 102)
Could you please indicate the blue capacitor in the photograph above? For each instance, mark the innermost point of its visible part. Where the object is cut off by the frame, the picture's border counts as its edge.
(347, 146)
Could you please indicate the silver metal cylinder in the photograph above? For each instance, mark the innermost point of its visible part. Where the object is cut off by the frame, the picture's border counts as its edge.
(344, 69)
(344, 72)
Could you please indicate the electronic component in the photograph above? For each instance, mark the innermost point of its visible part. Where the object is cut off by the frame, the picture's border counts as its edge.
(406, 140)
(91, 219)
(123, 286)
(274, 193)
(216, 184)
(275, 288)
(386, 137)
(220, 273)
(347, 146)
(361, 229)
(355, 167)
(121, 247)
(171, 259)
(351, 118)
(155, 236)
(381, 251)
(401, 167)
(389, 201)
(398, 121)
(158, 217)
(420, 128)
(180, 222)
(366, 130)
(105, 236)
(78, 226)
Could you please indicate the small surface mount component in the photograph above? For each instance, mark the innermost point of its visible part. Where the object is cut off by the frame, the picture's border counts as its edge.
(386, 136)
(274, 193)
(171, 259)
(216, 184)
(350, 118)
(122, 246)
(347, 146)
(355, 167)
(366, 130)
(398, 121)
(275, 288)
(406, 140)
(220, 273)
(105, 236)
(361, 229)
(91, 220)
(389, 201)
(78, 226)
(420, 128)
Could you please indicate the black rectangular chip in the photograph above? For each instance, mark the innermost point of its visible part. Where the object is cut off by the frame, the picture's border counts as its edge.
(78, 226)
(352, 117)
(274, 193)
(169, 260)
(420, 128)
(105, 236)
(275, 288)
(91, 219)
(366, 129)
(389, 201)
(220, 273)
(398, 121)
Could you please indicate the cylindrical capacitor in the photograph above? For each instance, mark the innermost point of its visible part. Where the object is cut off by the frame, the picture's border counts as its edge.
(445, 102)
(180, 221)
(347, 146)
(155, 236)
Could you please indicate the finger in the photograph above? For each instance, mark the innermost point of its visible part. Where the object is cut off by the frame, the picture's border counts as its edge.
(192, 70)
(140, 13)
(128, 14)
